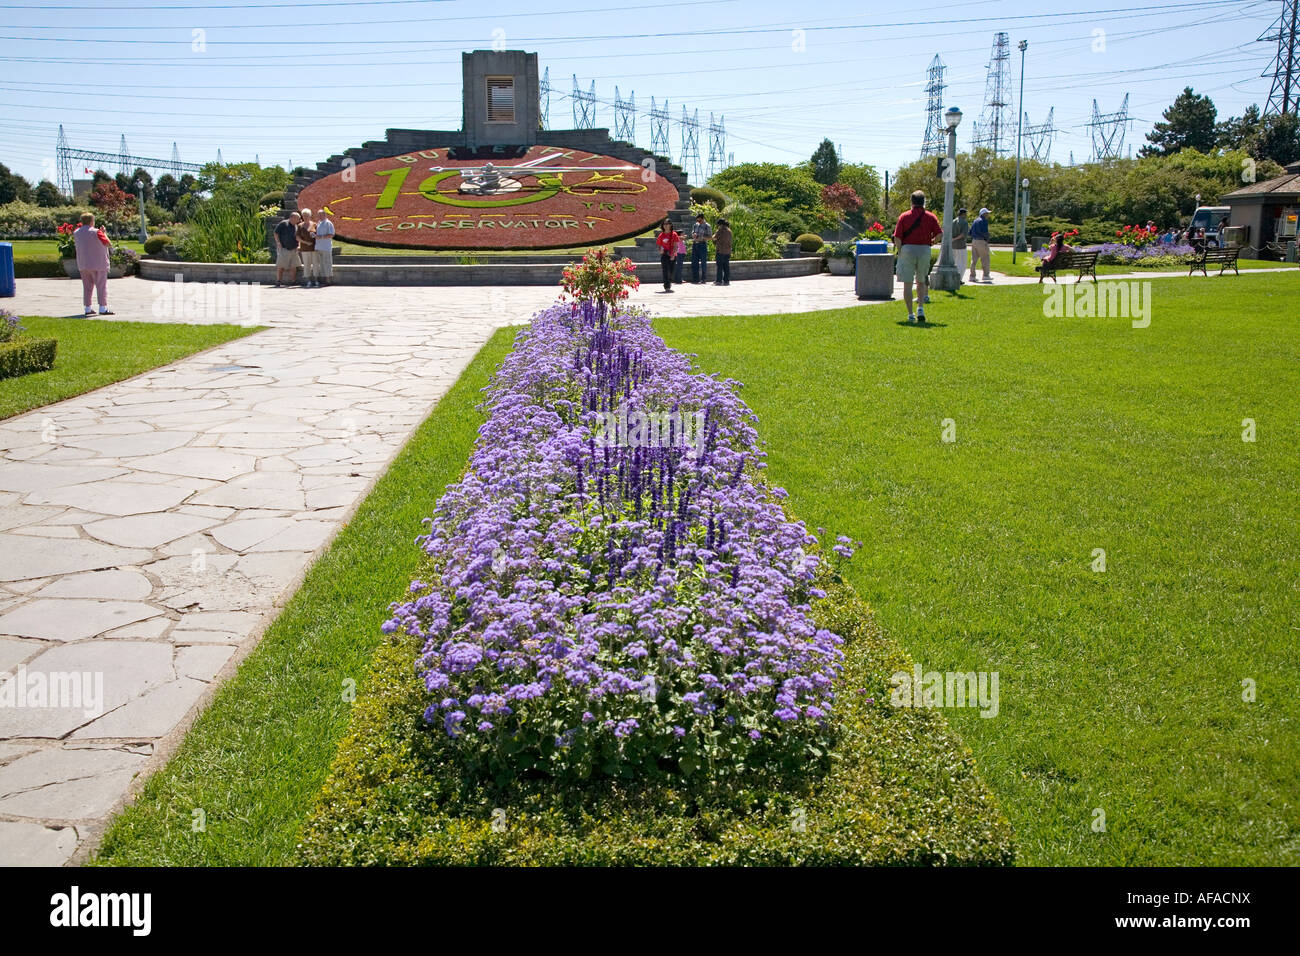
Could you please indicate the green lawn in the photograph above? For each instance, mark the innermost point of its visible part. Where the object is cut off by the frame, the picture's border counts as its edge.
(255, 759)
(1121, 691)
(93, 353)
(47, 250)
(39, 258)
(1000, 260)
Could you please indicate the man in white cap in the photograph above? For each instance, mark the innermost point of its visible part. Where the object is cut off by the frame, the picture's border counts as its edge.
(979, 244)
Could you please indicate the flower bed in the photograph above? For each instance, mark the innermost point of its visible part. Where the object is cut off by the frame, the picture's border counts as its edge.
(1154, 255)
(626, 654)
(613, 589)
(902, 789)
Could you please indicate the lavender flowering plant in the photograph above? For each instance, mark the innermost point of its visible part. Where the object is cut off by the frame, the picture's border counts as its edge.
(622, 607)
(10, 326)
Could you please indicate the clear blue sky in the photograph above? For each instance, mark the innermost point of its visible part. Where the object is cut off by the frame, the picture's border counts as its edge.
(292, 80)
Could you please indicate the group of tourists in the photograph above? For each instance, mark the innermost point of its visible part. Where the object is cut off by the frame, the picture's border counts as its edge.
(303, 241)
(672, 252)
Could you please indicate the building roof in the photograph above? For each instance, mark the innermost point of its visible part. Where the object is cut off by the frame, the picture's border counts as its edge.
(1281, 188)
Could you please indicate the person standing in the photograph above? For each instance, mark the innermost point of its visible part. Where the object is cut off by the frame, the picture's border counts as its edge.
(679, 257)
(325, 248)
(92, 262)
(915, 233)
(722, 253)
(307, 249)
(700, 237)
(960, 234)
(979, 245)
(286, 257)
(667, 243)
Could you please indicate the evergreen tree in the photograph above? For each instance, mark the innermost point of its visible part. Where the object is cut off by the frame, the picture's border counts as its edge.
(826, 163)
(47, 194)
(1279, 139)
(13, 187)
(1189, 124)
(1239, 132)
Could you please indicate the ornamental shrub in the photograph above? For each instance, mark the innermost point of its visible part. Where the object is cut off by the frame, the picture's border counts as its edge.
(786, 224)
(612, 590)
(705, 194)
(156, 244)
(274, 198)
(24, 356)
(809, 242)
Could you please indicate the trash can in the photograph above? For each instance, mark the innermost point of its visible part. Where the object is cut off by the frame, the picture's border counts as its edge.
(875, 270)
(6, 270)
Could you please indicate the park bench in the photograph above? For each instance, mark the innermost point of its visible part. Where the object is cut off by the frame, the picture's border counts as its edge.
(1085, 262)
(1222, 257)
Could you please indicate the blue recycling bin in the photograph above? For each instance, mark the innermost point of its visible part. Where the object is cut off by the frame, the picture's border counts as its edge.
(6, 270)
(874, 272)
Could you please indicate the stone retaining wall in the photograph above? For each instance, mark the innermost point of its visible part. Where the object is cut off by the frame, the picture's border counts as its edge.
(451, 275)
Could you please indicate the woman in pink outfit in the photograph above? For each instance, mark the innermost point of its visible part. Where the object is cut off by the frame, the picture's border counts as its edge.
(92, 263)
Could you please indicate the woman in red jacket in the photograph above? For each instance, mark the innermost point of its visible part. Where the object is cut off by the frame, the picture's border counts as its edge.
(667, 241)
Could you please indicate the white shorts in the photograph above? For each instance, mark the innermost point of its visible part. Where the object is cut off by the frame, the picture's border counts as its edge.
(913, 263)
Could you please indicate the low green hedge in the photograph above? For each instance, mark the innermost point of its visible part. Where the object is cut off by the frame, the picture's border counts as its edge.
(901, 789)
(26, 356)
(38, 268)
(155, 244)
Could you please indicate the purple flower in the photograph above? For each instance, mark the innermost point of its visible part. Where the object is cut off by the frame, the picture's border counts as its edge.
(627, 574)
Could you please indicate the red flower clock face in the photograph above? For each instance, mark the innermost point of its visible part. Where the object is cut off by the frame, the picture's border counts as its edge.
(545, 197)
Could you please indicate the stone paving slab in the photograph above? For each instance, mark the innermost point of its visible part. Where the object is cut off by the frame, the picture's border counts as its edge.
(149, 530)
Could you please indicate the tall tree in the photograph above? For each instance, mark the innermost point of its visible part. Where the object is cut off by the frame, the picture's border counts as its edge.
(13, 188)
(1279, 139)
(166, 191)
(142, 176)
(47, 194)
(1238, 132)
(825, 163)
(1189, 124)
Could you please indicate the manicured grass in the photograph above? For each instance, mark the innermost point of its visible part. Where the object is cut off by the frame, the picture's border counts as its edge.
(37, 258)
(47, 250)
(1122, 690)
(93, 353)
(1000, 259)
(255, 759)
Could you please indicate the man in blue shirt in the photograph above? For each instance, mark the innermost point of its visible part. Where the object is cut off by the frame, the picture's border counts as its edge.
(979, 245)
(700, 237)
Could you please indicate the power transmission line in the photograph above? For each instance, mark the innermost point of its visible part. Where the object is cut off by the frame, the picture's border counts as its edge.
(1107, 130)
(935, 141)
(1283, 97)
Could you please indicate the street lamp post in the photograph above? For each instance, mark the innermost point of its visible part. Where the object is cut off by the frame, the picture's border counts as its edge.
(139, 195)
(1018, 243)
(947, 277)
(1024, 216)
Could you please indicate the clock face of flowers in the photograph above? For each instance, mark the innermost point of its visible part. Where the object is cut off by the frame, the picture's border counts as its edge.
(540, 197)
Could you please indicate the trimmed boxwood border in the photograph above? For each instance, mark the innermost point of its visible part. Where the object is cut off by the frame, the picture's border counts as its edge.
(26, 356)
(902, 789)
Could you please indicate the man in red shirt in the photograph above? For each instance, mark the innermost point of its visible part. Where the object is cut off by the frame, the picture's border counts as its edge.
(915, 233)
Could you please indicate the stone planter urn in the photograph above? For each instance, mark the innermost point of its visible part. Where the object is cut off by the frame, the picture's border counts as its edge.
(70, 267)
(839, 266)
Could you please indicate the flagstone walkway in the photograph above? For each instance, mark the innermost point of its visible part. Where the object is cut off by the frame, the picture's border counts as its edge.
(150, 530)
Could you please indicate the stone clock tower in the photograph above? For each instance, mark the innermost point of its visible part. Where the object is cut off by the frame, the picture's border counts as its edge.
(501, 97)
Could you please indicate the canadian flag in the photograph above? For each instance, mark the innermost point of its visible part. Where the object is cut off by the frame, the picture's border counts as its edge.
(89, 170)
